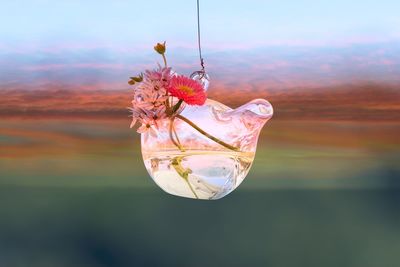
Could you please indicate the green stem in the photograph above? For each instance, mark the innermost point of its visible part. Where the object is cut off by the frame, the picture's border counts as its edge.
(171, 129)
(184, 173)
(167, 107)
(191, 188)
(165, 60)
(177, 106)
(222, 143)
(177, 138)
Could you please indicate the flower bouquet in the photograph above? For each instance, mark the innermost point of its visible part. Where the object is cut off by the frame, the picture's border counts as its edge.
(193, 146)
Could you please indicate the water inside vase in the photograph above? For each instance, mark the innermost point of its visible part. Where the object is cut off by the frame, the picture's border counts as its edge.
(198, 174)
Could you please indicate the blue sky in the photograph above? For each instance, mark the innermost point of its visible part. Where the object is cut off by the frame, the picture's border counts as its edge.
(237, 24)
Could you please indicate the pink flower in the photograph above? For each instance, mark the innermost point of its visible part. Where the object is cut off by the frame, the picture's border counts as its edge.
(160, 76)
(135, 116)
(149, 100)
(190, 91)
(148, 126)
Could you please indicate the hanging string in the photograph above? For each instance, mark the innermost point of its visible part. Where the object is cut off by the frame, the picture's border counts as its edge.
(200, 75)
(198, 36)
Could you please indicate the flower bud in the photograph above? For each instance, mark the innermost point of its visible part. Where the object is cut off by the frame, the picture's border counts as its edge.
(136, 79)
(160, 48)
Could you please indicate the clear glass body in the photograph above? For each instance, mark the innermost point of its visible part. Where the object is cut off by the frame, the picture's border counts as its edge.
(209, 164)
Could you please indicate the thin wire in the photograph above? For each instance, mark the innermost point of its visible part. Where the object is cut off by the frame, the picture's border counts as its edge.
(198, 36)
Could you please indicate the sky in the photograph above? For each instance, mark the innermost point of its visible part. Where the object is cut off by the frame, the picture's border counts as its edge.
(225, 24)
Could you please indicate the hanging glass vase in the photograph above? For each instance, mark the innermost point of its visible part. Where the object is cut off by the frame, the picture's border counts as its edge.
(192, 146)
(205, 152)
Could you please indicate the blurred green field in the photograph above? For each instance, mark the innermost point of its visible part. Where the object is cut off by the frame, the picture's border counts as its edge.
(144, 227)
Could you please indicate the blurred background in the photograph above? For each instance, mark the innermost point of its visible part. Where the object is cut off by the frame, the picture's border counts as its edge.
(323, 189)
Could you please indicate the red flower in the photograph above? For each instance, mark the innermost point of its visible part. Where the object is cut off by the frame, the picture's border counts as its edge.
(190, 91)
